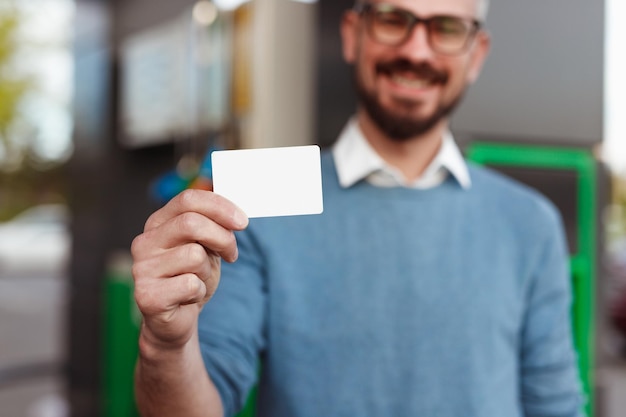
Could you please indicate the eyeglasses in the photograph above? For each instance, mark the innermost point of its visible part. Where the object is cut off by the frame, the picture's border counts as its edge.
(389, 25)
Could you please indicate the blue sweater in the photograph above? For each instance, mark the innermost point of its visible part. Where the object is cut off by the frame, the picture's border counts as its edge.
(398, 302)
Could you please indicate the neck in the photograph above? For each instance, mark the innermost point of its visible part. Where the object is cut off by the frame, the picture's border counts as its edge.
(410, 156)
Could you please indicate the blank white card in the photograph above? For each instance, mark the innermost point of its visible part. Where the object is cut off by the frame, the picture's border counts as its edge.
(271, 181)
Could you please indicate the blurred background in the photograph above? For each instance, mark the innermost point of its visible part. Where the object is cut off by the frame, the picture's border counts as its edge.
(108, 108)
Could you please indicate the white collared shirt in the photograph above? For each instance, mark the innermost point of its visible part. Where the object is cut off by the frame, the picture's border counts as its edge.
(355, 160)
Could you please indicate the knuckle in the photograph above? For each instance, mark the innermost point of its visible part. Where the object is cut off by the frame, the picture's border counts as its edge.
(196, 255)
(144, 299)
(188, 222)
(138, 271)
(187, 198)
(136, 245)
(193, 284)
(150, 222)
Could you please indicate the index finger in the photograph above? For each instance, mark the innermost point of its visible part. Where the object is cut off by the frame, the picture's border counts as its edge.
(217, 208)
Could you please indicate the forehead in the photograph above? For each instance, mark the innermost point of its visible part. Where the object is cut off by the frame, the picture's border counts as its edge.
(430, 7)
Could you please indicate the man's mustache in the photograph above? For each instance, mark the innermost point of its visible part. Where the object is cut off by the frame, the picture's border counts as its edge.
(421, 70)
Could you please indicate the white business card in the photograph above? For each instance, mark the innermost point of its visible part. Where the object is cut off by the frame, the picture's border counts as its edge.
(270, 182)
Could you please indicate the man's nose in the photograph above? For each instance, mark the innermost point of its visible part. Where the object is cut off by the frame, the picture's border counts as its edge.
(417, 46)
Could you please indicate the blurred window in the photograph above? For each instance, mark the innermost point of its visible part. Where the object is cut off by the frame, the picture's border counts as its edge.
(40, 58)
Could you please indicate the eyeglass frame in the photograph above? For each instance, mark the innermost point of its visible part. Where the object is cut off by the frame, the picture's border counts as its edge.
(366, 7)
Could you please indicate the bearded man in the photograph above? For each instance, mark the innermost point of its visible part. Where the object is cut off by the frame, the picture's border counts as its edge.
(427, 287)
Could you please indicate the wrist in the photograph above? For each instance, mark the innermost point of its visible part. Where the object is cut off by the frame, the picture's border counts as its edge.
(152, 349)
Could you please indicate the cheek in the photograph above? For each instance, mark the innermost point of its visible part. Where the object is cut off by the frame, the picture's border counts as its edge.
(459, 78)
(367, 56)
(365, 70)
(367, 61)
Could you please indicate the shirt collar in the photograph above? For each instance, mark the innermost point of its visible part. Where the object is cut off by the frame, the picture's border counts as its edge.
(355, 160)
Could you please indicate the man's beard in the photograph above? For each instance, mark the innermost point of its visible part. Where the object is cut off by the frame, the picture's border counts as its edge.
(397, 126)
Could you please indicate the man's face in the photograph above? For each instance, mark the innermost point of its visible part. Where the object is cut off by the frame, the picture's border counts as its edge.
(407, 89)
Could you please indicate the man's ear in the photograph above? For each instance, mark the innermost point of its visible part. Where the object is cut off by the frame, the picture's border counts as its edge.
(479, 54)
(348, 29)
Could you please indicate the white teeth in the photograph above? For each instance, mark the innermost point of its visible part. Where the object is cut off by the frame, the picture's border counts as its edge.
(411, 82)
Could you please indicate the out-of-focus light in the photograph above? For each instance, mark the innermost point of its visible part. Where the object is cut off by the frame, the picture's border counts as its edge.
(205, 12)
(229, 4)
(305, 1)
(614, 146)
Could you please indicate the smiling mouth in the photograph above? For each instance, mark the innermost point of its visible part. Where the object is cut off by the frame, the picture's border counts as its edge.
(412, 82)
(408, 74)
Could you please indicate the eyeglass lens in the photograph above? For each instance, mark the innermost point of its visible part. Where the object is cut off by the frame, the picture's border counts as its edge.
(391, 26)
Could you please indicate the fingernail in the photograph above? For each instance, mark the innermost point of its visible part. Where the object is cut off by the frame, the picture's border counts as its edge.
(236, 255)
(240, 218)
(231, 257)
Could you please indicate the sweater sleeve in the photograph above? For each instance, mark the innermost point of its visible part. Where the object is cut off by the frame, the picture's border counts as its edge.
(231, 326)
(550, 385)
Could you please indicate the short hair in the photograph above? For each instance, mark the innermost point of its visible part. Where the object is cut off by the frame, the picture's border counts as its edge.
(481, 12)
(483, 9)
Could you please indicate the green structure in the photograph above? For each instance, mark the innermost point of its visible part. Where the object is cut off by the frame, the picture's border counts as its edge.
(583, 253)
(120, 336)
